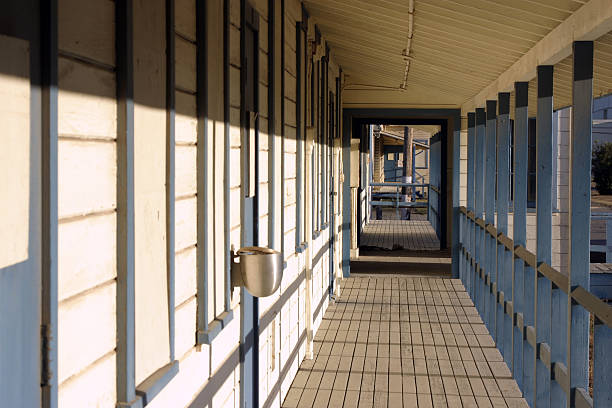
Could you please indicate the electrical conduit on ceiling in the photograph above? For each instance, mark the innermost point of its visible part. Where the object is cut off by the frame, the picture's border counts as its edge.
(405, 56)
(406, 52)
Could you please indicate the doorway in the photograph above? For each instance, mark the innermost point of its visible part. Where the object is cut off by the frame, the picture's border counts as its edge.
(440, 197)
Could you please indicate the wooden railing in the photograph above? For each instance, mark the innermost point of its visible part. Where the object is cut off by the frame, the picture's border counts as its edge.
(607, 248)
(492, 279)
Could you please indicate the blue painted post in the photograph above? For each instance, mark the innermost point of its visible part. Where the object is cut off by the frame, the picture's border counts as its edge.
(170, 167)
(609, 241)
(49, 164)
(346, 194)
(490, 243)
(558, 397)
(462, 242)
(580, 211)
(479, 204)
(602, 365)
(544, 225)
(521, 239)
(455, 194)
(463, 222)
(470, 197)
(413, 172)
(519, 226)
(504, 261)
(125, 361)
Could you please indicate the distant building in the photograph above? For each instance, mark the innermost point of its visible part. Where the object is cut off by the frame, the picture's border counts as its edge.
(602, 119)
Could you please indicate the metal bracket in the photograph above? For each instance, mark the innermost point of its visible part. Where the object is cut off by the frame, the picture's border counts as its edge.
(235, 272)
(45, 350)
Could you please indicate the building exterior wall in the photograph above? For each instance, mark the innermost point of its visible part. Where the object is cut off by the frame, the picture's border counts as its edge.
(187, 195)
(379, 159)
(87, 204)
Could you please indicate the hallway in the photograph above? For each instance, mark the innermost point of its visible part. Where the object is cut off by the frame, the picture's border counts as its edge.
(394, 341)
(413, 235)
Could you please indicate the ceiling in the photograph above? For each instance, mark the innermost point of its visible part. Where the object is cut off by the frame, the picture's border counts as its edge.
(458, 47)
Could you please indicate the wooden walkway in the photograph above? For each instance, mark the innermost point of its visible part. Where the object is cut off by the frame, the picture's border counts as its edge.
(403, 342)
(400, 234)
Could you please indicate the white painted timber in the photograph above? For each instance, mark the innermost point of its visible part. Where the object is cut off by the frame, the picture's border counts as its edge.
(87, 253)
(151, 282)
(589, 22)
(15, 154)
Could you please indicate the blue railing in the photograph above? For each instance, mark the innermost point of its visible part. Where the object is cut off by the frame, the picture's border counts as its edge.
(539, 318)
(494, 288)
(606, 246)
(391, 195)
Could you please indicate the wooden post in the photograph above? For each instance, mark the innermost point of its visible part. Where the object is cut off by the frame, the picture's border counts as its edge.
(49, 156)
(519, 234)
(479, 204)
(470, 196)
(126, 367)
(170, 167)
(602, 370)
(407, 162)
(504, 261)
(490, 263)
(580, 215)
(543, 226)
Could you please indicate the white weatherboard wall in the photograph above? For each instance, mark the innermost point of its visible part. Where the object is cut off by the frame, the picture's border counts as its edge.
(89, 178)
(87, 174)
(20, 220)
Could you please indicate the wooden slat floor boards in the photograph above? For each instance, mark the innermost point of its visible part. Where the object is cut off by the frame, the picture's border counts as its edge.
(399, 342)
(400, 234)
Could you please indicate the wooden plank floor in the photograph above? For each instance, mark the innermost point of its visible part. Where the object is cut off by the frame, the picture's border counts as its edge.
(403, 342)
(400, 234)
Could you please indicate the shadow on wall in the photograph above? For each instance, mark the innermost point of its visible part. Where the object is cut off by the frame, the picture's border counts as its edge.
(20, 220)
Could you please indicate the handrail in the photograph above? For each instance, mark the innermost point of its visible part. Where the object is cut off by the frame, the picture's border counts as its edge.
(593, 304)
(523, 253)
(505, 241)
(480, 222)
(560, 280)
(490, 228)
(394, 199)
(398, 184)
(579, 294)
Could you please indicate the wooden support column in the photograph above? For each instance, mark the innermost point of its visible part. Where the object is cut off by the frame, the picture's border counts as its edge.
(273, 117)
(519, 233)
(490, 305)
(479, 205)
(559, 312)
(205, 333)
(412, 167)
(49, 140)
(300, 134)
(170, 166)
(543, 226)
(407, 152)
(126, 367)
(504, 260)
(455, 193)
(470, 197)
(580, 220)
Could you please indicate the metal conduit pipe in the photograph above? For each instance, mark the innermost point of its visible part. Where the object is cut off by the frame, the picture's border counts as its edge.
(406, 51)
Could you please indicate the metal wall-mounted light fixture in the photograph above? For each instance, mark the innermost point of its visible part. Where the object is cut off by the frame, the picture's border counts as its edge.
(258, 269)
